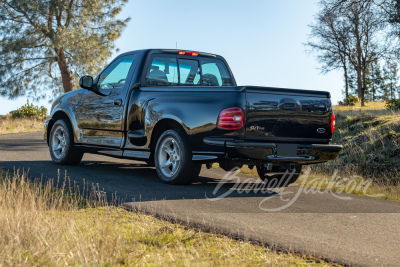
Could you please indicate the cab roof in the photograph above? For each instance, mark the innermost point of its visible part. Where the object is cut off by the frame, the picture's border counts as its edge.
(174, 51)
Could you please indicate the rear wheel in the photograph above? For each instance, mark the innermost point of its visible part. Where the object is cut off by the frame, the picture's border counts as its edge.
(173, 159)
(278, 176)
(61, 144)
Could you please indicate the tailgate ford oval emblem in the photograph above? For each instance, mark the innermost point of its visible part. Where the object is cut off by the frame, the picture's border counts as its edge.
(321, 130)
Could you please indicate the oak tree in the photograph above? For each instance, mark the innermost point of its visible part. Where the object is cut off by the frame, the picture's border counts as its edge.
(46, 44)
(363, 26)
(329, 38)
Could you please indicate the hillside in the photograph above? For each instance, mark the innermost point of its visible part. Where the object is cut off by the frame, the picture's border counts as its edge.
(370, 136)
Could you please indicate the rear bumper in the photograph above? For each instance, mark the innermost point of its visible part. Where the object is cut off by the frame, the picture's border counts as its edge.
(268, 152)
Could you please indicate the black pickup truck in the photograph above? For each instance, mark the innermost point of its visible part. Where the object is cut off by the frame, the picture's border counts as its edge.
(181, 109)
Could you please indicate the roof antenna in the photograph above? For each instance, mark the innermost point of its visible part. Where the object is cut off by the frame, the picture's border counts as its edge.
(176, 45)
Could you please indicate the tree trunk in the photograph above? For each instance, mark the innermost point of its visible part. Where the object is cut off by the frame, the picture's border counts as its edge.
(346, 76)
(359, 62)
(364, 86)
(373, 92)
(391, 91)
(66, 74)
(373, 81)
(346, 80)
(359, 85)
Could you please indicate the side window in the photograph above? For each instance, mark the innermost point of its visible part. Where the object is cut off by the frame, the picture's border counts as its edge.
(189, 72)
(215, 73)
(163, 71)
(115, 75)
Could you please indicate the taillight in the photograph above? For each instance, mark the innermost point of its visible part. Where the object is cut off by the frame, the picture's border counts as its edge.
(188, 53)
(231, 119)
(333, 122)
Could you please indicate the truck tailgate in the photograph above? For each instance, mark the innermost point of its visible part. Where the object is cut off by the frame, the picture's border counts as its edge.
(274, 114)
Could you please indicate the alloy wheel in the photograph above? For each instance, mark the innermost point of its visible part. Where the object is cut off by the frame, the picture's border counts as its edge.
(169, 157)
(59, 142)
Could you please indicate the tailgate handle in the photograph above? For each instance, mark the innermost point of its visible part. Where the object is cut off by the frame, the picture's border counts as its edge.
(290, 106)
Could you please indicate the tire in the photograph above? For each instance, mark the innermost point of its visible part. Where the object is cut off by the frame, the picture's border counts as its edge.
(173, 159)
(277, 177)
(61, 144)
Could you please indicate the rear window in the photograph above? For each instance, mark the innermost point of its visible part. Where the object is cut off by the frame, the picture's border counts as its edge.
(168, 70)
(163, 71)
(189, 72)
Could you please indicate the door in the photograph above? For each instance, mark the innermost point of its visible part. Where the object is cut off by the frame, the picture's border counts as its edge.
(101, 113)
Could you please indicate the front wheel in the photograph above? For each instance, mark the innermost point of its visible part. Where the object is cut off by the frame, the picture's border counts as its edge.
(173, 159)
(278, 177)
(61, 144)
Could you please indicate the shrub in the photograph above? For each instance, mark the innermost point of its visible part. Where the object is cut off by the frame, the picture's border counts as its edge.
(352, 99)
(393, 104)
(29, 111)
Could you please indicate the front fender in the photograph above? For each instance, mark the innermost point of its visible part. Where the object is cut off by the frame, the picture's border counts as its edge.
(46, 132)
(64, 108)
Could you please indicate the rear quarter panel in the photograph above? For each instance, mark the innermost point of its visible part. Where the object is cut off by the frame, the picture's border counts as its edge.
(196, 109)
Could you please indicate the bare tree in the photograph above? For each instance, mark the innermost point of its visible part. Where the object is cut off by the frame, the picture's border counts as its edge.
(366, 30)
(351, 30)
(391, 15)
(331, 34)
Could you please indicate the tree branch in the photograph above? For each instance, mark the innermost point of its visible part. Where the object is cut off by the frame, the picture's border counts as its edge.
(69, 13)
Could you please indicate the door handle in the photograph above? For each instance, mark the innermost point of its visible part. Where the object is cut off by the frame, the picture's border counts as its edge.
(118, 102)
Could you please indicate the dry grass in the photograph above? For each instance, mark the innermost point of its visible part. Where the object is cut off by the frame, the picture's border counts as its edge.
(369, 106)
(370, 139)
(9, 125)
(376, 108)
(44, 226)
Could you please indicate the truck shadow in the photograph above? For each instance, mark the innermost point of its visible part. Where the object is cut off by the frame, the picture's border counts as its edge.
(137, 181)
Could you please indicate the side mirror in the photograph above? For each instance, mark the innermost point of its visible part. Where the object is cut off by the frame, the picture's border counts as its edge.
(86, 82)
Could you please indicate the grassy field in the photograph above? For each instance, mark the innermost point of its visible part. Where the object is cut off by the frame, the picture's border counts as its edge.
(42, 225)
(9, 125)
(370, 136)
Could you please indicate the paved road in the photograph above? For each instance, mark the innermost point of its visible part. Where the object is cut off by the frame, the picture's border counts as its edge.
(356, 231)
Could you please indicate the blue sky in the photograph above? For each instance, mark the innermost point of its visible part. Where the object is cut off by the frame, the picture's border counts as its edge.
(262, 40)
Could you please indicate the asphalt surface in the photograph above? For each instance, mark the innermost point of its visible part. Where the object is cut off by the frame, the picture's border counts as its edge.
(348, 229)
